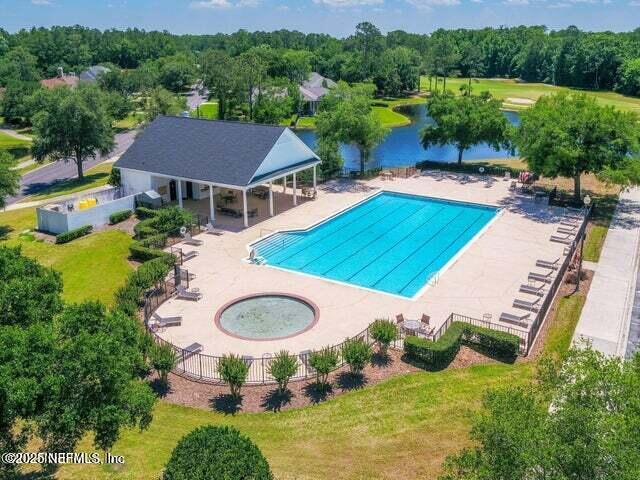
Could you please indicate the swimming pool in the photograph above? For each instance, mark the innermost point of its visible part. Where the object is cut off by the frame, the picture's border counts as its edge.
(391, 242)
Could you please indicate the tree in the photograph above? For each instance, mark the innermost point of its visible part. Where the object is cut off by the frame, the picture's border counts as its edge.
(233, 371)
(15, 104)
(73, 124)
(221, 77)
(471, 62)
(465, 121)
(176, 74)
(323, 362)
(629, 77)
(328, 150)
(579, 421)
(162, 102)
(9, 178)
(369, 43)
(163, 360)
(282, 368)
(445, 57)
(383, 332)
(570, 134)
(252, 72)
(18, 65)
(346, 116)
(216, 453)
(274, 104)
(357, 353)
(398, 71)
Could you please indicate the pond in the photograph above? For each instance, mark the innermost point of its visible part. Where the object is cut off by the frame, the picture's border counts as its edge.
(402, 146)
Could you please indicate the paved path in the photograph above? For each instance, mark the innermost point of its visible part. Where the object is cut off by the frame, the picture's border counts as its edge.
(195, 98)
(14, 134)
(607, 314)
(41, 178)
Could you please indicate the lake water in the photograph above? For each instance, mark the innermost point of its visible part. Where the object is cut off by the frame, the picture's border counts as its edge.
(402, 145)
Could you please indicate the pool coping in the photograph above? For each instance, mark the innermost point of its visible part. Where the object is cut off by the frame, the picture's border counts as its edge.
(427, 285)
(310, 303)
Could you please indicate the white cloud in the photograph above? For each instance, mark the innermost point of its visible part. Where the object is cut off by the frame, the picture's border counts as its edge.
(348, 3)
(218, 4)
(428, 4)
(516, 2)
(41, 2)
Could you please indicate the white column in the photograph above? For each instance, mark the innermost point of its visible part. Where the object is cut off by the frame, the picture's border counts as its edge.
(315, 181)
(271, 198)
(212, 206)
(180, 193)
(244, 206)
(295, 191)
(284, 185)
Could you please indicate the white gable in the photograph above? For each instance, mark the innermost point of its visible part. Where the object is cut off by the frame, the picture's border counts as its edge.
(288, 151)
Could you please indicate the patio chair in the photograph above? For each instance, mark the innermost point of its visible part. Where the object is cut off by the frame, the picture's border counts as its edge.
(189, 255)
(255, 258)
(425, 328)
(567, 239)
(193, 349)
(527, 305)
(185, 294)
(252, 213)
(189, 240)
(162, 322)
(211, 230)
(399, 318)
(567, 231)
(520, 320)
(546, 264)
(533, 290)
(248, 360)
(541, 277)
(513, 186)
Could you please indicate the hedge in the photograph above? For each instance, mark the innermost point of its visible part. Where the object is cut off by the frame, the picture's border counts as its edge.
(73, 234)
(143, 254)
(121, 216)
(144, 212)
(129, 296)
(444, 350)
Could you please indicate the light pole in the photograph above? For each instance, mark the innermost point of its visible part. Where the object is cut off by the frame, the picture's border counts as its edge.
(587, 202)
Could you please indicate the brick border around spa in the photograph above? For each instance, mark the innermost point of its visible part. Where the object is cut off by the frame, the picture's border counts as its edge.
(306, 301)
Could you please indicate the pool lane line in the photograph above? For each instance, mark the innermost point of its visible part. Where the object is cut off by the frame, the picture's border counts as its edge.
(387, 232)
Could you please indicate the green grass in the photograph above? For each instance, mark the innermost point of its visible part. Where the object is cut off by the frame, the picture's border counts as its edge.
(503, 88)
(559, 337)
(390, 118)
(207, 110)
(130, 121)
(94, 177)
(92, 267)
(8, 142)
(401, 428)
(605, 207)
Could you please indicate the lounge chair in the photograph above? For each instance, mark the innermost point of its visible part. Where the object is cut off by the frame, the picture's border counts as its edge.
(189, 255)
(255, 258)
(520, 320)
(571, 224)
(507, 175)
(526, 305)
(567, 239)
(546, 264)
(533, 290)
(513, 186)
(189, 240)
(566, 231)
(211, 230)
(541, 277)
(162, 322)
(185, 294)
(193, 349)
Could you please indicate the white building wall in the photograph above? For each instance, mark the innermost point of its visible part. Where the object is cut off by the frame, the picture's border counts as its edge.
(134, 181)
(287, 151)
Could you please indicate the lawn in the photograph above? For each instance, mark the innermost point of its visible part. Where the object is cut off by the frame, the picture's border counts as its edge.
(100, 255)
(130, 121)
(558, 339)
(503, 89)
(93, 178)
(15, 146)
(390, 118)
(605, 206)
(207, 110)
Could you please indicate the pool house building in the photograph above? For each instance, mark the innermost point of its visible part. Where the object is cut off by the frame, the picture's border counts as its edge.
(229, 163)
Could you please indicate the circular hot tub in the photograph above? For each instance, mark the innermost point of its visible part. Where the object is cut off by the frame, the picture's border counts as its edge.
(267, 316)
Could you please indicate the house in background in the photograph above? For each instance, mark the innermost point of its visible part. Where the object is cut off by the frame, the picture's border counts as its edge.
(312, 90)
(91, 74)
(61, 80)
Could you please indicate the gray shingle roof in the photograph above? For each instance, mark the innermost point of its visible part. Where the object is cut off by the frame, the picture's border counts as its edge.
(208, 150)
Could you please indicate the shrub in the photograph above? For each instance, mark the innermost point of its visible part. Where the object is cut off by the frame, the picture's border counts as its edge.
(163, 359)
(443, 351)
(282, 368)
(115, 177)
(233, 371)
(73, 234)
(357, 353)
(216, 453)
(145, 229)
(170, 219)
(144, 254)
(323, 362)
(498, 170)
(120, 216)
(383, 332)
(129, 296)
(144, 212)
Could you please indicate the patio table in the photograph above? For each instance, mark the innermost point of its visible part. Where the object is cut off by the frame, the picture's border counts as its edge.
(411, 325)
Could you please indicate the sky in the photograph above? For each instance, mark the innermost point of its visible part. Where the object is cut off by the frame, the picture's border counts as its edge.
(336, 17)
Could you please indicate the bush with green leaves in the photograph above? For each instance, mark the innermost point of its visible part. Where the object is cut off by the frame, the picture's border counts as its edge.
(233, 371)
(282, 368)
(66, 237)
(163, 360)
(167, 220)
(383, 332)
(121, 216)
(129, 296)
(144, 212)
(115, 177)
(216, 453)
(323, 362)
(357, 353)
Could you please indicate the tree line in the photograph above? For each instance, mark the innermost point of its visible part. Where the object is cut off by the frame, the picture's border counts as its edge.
(567, 57)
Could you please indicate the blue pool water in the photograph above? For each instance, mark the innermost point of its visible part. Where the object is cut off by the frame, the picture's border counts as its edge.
(392, 242)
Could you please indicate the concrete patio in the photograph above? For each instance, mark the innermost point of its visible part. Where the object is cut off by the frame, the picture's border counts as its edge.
(483, 281)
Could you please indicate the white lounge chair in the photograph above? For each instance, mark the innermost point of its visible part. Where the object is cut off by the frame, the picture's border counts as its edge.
(189, 255)
(533, 290)
(185, 294)
(520, 320)
(526, 305)
(541, 277)
(189, 240)
(546, 264)
(566, 231)
(570, 224)
(161, 322)
(567, 239)
(211, 230)
(193, 349)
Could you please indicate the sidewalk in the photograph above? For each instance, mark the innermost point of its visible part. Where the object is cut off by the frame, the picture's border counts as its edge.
(606, 316)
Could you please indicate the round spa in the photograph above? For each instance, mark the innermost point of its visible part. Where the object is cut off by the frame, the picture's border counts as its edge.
(267, 316)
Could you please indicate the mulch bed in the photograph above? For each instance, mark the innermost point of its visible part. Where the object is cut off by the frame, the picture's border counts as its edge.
(261, 398)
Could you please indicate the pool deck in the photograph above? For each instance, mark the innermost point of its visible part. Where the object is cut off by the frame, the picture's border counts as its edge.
(484, 279)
